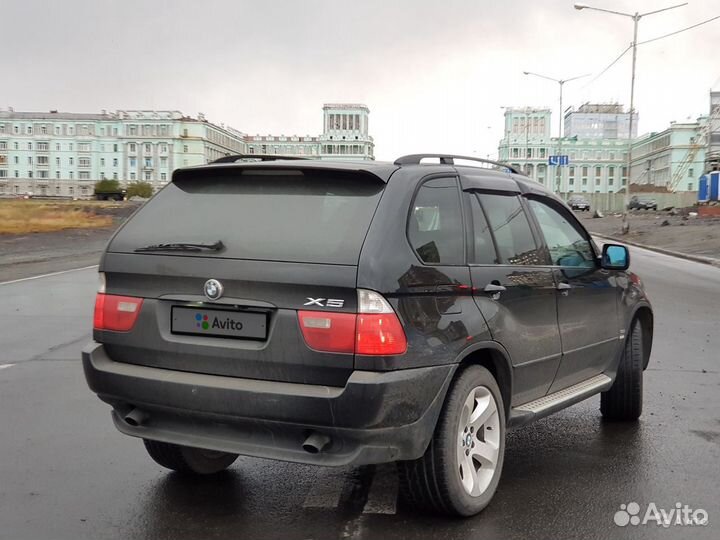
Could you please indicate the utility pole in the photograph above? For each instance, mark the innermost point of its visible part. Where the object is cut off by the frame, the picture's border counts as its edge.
(561, 82)
(636, 18)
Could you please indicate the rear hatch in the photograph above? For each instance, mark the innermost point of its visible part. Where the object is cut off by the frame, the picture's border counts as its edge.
(275, 240)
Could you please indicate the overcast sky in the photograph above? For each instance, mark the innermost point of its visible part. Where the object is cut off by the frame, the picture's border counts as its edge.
(434, 73)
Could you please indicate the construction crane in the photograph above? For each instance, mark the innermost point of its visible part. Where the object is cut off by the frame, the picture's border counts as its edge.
(700, 142)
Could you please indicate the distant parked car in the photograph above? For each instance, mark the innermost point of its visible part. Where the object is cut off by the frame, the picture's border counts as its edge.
(642, 203)
(579, 203)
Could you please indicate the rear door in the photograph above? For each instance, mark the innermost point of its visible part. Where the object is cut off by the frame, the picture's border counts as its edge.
(514, 288)
(291, 240)
(587, 296)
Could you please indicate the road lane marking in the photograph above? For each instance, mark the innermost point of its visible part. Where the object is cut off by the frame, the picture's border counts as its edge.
(48, 275)
(383, 495)
(326, 491)
(5, 366)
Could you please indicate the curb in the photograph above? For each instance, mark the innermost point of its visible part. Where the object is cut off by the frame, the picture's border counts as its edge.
(678, 254)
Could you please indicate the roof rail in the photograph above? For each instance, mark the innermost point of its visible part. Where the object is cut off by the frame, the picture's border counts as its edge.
(449, 159)
(254, 157)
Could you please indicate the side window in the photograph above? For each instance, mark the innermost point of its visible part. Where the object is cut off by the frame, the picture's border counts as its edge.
(510, 227)
(435, 225)
(567, 245)
(484, 252)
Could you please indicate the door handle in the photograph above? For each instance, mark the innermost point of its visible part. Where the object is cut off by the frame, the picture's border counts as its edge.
(494, 289)
(564, 288)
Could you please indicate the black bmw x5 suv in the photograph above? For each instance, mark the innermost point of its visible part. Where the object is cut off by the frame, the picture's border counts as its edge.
(341, 313)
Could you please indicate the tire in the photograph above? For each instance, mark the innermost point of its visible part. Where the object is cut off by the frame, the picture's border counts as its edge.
(624, 400)
(435, 482)
(188, 460)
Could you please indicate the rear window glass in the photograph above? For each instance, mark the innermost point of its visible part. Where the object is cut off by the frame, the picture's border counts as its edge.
(265, 215)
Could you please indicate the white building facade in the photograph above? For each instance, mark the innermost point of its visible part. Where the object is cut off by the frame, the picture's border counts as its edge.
(65, 154)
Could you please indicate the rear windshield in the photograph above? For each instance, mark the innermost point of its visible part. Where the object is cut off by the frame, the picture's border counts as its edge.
(295, 216)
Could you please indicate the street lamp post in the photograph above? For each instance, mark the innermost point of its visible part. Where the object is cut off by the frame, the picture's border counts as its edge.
(560, 82)
(636, 18)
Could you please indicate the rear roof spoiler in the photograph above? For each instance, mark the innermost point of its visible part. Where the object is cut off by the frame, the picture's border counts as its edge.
(254, 157)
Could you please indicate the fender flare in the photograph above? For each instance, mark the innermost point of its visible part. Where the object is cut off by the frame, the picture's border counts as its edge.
(503, 367)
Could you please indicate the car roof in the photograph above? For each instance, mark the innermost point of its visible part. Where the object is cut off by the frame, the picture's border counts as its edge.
(477, 177)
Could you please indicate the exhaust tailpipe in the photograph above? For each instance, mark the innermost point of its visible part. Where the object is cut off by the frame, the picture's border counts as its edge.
(316, 443)
(136, 417)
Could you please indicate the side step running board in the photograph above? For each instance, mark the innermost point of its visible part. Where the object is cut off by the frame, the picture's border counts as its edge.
(545, 405)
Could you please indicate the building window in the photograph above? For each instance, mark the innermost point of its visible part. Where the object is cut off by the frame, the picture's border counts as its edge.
(57, 175)
(132, 176)
(102, 161)
(30, 174)
(528, 152)
(16, 146)
(147, 175)
(115, 176)
(131, 148)
(515, 153)
(84, 175)
(571, 181)
(43, 146)
(611, 156)
(185, 147)
(42, 160)
(115, 147)
(585, 171)
(542, 153)
(83, 162)
(17, 160)
(148, 148)
(690, 186)
(83, 147)
(598, 172)
(584, 181)
(691, 172)
(624, 171)
(163, 162)
(71, 161)
(133, 162)
(148, 162)
(102, 176)
(29, 146)
(163, 176)
(29, 160)
(115, 162)
(57, 147)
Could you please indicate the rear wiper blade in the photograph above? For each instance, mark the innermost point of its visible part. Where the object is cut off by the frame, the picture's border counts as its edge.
(184, 246)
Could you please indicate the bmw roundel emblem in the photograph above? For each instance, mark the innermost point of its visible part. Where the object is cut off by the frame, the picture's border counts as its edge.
(213, 289)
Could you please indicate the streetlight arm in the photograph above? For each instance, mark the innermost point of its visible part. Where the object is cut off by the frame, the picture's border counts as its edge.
(584, 6)
(663, 9)
(542, 76)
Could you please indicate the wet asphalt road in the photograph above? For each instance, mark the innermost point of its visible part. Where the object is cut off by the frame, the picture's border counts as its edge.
(65, 473)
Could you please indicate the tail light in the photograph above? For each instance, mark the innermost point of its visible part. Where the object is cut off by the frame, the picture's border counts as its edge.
(113, 312)
(374, 330)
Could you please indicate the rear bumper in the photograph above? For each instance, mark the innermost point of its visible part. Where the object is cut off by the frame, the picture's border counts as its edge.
(376, 417)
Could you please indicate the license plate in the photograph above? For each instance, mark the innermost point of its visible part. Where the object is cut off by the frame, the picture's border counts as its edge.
(219, 323)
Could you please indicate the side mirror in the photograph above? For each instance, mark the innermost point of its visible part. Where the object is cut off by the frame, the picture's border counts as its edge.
(615, 257)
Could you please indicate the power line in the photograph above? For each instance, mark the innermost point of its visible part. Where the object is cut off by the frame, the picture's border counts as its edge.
(679, 31)
(607, 68)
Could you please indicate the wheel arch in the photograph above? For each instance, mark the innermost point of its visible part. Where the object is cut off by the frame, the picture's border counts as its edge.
(495, 358)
